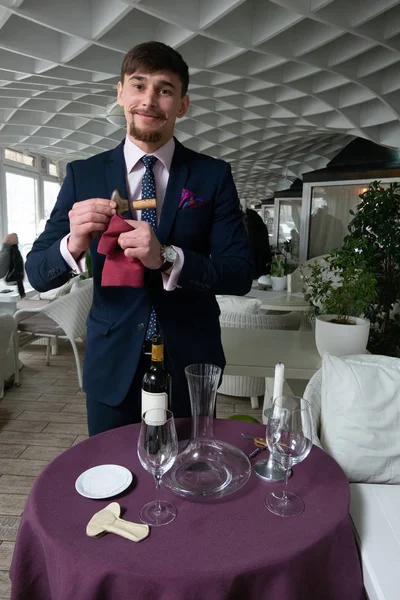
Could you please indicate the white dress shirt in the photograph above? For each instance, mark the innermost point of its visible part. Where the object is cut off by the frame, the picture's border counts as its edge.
(134, 174)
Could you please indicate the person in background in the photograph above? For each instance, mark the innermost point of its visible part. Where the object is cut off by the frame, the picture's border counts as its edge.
(11, 239)
(192, 246)
(259, 243)
(11, 263)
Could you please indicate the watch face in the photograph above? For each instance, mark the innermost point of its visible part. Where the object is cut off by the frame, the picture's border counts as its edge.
(170, 254)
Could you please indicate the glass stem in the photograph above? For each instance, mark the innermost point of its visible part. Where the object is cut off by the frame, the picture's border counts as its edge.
(284, 493)
(158, 481)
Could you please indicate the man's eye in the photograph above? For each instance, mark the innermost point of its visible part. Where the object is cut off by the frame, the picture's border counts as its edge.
(137, 86)
(166, 92)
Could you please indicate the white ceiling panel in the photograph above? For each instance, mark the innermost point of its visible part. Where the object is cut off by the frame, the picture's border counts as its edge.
(278, 87)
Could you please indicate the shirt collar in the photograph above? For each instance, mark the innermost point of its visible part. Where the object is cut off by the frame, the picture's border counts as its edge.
(133, 154)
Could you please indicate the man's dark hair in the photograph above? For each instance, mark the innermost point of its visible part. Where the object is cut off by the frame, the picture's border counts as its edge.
(155, 56)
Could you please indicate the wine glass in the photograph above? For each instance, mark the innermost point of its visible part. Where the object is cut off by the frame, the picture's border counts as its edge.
(290, 418)
(157, 449)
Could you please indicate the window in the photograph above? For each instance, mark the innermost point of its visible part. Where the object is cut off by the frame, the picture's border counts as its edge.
(50, 191)
(52, 169)
(19, 157)
(268, 219)
(21, 193)
(31, 189)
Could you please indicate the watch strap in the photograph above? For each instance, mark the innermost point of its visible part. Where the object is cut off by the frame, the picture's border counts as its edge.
(167, 264)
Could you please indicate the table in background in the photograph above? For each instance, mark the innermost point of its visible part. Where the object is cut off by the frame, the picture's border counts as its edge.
(280, 301)
(273, 300)
(255, 352)
(230, 549)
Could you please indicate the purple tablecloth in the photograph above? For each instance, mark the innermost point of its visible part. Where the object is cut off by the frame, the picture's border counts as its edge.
(232, 549)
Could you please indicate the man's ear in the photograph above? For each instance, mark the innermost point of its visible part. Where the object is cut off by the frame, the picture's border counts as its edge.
(184, 106)
(119, 93)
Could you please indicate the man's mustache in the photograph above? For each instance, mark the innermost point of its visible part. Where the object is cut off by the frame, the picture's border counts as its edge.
(147, 114)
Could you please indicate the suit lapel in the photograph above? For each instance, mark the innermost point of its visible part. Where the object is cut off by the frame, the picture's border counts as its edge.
(115, 171)
(116, 179)
(177, 181)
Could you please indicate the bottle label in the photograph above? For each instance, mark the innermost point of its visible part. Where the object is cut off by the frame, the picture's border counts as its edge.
(158, 401)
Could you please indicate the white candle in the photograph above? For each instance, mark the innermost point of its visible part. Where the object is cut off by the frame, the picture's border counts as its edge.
(289, 283)
(278, 380)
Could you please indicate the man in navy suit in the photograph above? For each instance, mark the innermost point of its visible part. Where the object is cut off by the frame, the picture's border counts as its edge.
(198, 249)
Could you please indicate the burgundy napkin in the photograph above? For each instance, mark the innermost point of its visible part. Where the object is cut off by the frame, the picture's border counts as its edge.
(119, 270)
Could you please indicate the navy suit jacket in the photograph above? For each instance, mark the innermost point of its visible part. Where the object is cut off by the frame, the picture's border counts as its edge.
(216, 261)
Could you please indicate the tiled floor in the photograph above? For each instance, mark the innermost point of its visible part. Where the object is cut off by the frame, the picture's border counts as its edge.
(38, 421)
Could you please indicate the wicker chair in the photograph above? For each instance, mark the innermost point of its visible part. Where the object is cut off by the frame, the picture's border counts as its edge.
(297, 281)
(65, 317)
(245, 386)
(7, 348)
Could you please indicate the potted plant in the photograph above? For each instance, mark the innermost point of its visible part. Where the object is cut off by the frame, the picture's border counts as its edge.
(375, 230)
(340, 289)
(278, 272)
(281, 267)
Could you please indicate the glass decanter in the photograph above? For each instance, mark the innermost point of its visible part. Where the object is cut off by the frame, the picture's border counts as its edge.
(206, 467)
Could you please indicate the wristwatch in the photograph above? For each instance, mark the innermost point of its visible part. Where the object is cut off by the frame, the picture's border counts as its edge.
(169, 256)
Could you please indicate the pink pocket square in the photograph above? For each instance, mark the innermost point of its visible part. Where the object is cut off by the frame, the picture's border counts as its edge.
(189, 199)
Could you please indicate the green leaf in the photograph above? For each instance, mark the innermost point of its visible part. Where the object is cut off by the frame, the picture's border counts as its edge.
(363, 277)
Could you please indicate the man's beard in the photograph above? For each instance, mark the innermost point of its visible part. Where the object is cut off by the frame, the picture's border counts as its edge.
(144, 136)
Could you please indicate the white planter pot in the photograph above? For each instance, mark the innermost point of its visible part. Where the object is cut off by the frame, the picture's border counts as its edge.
(278, 283)
(341, 340)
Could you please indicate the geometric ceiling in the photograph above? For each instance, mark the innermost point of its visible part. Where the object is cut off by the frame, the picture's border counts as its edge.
(277, 88)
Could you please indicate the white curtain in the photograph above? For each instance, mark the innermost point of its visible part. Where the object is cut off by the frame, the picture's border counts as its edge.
(289, 223)
(296, 214)
(330, 216)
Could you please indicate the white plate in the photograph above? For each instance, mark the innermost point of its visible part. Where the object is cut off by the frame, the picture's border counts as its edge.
(103, 481)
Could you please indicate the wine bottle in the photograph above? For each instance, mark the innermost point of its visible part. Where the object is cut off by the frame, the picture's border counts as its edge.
(156, 380)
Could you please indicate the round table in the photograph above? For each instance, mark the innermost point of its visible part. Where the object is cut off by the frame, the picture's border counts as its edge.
(230, 549)
(280, 301)
(284, 302)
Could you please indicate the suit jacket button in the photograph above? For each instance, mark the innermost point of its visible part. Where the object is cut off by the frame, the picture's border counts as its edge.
(140, 327)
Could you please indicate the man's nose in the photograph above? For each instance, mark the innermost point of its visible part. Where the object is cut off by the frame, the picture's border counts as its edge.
(149, 98)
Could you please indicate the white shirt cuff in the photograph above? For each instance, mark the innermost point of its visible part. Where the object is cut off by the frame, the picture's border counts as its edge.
(78, 267)
(170, 281)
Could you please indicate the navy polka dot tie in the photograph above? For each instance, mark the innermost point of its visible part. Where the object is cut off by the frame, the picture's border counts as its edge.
(149, 215)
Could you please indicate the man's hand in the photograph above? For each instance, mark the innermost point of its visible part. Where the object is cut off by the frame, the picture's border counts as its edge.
(86, 219)
(142, 243)
(11, 239)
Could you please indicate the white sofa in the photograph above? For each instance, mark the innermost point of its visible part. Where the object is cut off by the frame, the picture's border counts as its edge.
(375, 513)
(353, 408)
